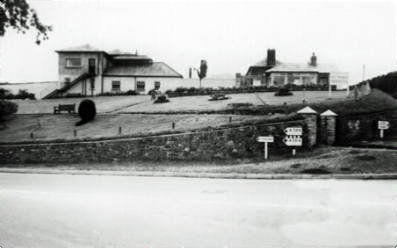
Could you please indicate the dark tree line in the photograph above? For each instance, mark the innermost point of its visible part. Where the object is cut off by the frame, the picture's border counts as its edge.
(386, 83)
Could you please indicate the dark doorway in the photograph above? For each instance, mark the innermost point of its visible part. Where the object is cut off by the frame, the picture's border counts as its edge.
(91, 66)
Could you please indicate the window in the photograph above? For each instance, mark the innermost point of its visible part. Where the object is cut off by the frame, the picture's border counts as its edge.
(156, 85)
(116, 85)
(140, 86)
(73, 62)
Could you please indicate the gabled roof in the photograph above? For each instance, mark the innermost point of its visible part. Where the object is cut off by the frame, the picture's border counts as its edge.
(307, 110)
(155, 69)
(84, 48)
(291, 67)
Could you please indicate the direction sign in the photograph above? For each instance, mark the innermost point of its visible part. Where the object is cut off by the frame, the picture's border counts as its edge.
(293, 131)
(383, 124)
(265, 139)
(293, 140)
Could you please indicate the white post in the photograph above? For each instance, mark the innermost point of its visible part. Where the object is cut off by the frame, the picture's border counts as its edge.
(329, 91)
(381, 133)
(265, 150)
(348, 90)
(293, 152)
(363, 72)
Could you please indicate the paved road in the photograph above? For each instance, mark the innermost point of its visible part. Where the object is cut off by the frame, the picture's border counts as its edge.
(71, 211)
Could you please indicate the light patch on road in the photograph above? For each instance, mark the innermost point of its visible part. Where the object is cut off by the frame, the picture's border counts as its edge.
(143, 199)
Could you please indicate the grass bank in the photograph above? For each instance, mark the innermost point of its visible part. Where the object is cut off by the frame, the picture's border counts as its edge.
(61, 128)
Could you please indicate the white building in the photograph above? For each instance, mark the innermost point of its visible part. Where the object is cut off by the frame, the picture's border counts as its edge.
(85, 71)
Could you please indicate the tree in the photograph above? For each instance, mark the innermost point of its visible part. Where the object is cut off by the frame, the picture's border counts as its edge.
(17, 14)
(3, 93)
(6, 109)
(202, 73)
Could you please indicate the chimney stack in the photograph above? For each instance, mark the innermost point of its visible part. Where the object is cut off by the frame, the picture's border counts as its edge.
(271, 57)
(313, 60)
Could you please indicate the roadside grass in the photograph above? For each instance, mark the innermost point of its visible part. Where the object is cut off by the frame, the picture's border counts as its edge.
(323, 160)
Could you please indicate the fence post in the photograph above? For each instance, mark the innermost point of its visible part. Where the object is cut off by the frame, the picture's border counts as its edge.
(173, 125)
(119, 130)
(31, 135)
(75, 133)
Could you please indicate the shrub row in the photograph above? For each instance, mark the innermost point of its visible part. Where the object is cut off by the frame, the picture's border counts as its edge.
(238, 110)
(183, 91)
(22, 95)
(119, 93)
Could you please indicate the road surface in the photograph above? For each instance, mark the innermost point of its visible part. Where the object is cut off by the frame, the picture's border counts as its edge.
(108, 211)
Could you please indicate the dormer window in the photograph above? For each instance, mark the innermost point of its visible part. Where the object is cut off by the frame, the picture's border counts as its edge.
(75, 62)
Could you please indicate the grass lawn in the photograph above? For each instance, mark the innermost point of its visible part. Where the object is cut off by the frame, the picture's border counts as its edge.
(324, 160)
(142, 103)
(202, 103)
(63, 126)
(103, 104)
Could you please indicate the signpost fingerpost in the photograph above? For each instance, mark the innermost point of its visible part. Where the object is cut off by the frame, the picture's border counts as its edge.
(293, 137)
(265, 139)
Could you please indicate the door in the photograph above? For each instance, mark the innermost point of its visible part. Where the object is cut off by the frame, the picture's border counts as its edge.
(91, 66)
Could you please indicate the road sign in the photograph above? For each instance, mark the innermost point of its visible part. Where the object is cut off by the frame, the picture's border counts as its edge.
(293, 131)
(265, 139)
(383, 124)
(293, 140)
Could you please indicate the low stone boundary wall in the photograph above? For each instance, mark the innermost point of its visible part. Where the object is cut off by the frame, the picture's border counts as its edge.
(217, 144)
(365, 126)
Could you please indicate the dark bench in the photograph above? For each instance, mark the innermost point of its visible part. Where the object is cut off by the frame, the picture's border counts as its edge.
(65, 107)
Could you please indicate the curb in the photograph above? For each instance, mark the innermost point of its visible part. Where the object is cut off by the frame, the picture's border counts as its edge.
(385, 176)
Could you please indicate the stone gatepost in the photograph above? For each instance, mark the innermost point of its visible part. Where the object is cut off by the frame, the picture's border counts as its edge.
(327, 128)
(311, 120)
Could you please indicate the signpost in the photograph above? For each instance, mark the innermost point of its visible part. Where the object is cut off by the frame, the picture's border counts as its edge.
(293, 131)
(265, 139)
(382, 125)
(293, 137)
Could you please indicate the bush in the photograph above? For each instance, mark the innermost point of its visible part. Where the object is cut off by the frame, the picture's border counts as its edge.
(6, 109)
(161, 99)
(119, 93)
(22, 94)
(191, 90)
(239, 105)
(87, 111)
(284, 91)
(180, 90)
(132, 92)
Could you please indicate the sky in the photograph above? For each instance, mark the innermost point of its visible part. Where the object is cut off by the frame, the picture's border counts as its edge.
(230, 35)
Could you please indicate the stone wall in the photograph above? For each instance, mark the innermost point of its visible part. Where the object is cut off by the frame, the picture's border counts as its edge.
(225, 143)
(365, 126)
